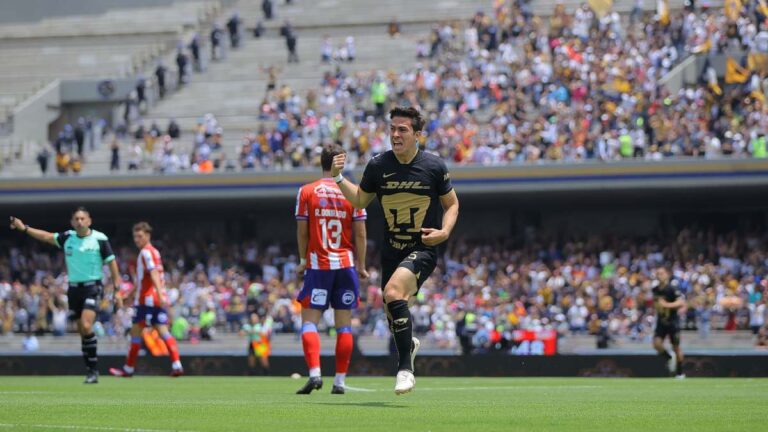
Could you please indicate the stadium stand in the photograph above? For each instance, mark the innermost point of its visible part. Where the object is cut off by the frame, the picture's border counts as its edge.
(504, 84)
(117, 44)
(476, 117)
(483, 289)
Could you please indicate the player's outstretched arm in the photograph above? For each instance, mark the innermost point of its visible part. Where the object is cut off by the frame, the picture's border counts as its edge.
(352, 192)
(37, 234)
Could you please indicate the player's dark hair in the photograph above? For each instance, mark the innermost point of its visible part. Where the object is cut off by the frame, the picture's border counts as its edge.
(417, 121)
(81, 209)
(328, 153)
(143, 226)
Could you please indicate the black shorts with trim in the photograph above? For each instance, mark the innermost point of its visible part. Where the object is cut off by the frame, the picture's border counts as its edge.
(672, 330)
(420, 262)
(84, 296)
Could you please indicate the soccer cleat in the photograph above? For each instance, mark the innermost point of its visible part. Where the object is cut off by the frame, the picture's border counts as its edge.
(313, 383)
(337, 390)
(681, 376)
(415, 345)
(120, 372)
(405, 382)
(91, 377)
(177, 372)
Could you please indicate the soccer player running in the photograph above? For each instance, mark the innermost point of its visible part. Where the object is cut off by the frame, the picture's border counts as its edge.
(151, 303)
(326, 226)
(668, 300)
(86, 251)
(413, 188)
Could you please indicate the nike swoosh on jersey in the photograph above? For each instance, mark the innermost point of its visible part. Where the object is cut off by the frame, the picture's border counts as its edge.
(388, 175)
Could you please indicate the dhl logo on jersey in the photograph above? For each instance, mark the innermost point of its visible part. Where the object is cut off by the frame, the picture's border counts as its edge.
(401, 185)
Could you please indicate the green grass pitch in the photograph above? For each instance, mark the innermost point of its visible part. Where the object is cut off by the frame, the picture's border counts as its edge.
(438, 404)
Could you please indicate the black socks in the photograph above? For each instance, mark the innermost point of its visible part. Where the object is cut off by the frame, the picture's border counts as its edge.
(89, 351)
(402, 331)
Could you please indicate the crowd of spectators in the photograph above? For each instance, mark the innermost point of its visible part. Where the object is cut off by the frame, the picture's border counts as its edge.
(481, 291)
(513, 87)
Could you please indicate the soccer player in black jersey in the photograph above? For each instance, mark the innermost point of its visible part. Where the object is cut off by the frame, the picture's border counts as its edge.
(668, 300)
(420, 211)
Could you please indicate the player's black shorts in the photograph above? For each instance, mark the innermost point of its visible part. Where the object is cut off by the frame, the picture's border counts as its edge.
(420, 262)
(84, 295)
(668, 329)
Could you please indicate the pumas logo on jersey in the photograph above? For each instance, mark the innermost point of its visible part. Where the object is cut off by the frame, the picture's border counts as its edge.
(393, 185)
(318, 297)
(348, 297)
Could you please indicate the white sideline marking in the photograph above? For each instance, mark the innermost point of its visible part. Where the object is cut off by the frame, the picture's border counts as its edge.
(68, 427)
(25, 392)
(359, 389)
(507, 388)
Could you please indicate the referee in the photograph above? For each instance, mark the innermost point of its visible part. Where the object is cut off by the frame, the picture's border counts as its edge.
(85, 252)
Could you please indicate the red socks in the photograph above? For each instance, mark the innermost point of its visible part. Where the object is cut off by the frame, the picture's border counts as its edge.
(343, 349)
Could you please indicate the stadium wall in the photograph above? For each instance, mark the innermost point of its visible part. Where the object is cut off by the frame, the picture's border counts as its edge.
(516, 179)
(733, 197)
(42, 108)
(640, 366)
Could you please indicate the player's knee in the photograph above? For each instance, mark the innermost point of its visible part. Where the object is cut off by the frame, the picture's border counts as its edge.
(86, 327)
(394, 291)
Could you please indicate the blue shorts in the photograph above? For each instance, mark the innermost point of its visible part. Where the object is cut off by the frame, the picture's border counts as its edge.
(340, 288)
(150, 315)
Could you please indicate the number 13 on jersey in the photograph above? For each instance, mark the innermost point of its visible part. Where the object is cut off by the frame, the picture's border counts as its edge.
(330, 232)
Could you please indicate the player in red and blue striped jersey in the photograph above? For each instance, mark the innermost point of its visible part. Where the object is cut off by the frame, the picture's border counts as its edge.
(151, 303)
(327, 227)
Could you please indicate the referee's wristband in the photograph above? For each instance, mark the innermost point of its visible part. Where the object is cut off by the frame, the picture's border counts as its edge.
(339, 178)
(26, 228)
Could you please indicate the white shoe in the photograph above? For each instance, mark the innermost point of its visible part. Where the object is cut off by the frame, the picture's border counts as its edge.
(681, 376)
(405, 382)
(414, 350)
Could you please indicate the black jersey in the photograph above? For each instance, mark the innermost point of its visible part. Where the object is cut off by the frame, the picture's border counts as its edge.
(669, 292)
(409, 195)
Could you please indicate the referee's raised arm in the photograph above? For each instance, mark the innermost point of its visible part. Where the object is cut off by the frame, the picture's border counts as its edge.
(37, 234)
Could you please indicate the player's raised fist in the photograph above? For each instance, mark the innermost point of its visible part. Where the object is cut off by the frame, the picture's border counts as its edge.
(16, 223)
(338, 164)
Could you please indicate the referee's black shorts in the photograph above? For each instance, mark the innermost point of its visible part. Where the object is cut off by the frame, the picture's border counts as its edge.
(84, 295)
(420, 262)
